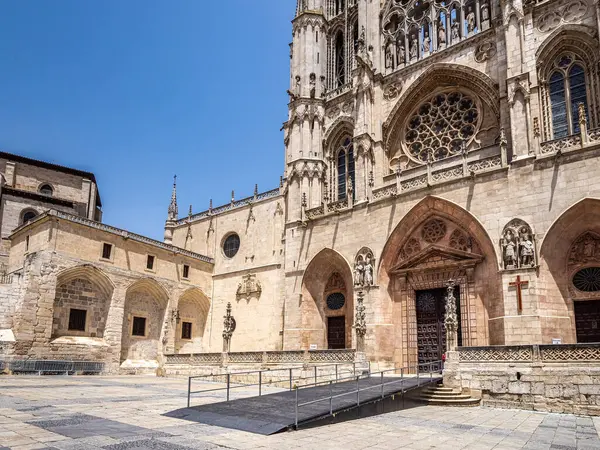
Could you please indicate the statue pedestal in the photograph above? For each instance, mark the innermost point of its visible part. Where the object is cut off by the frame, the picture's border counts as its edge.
(451, 371)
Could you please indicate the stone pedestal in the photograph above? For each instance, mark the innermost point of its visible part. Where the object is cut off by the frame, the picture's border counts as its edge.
(451, 371)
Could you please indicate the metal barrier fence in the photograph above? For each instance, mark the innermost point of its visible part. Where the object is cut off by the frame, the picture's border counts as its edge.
(432, 367)
(287, 379)
(50, 366)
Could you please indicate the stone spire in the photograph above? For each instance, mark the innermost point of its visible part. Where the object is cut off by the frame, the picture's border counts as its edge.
(173, 210)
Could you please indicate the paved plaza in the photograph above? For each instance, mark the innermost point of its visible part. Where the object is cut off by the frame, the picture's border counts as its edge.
(115, 413)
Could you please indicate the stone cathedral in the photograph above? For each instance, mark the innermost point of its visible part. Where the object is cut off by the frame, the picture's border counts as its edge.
(427, 141)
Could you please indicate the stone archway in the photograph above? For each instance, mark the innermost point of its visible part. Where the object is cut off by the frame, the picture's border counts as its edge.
(81, 303)
(192, 312)
(143, 322)
(435, 242)
(571, 244)
(327, 307)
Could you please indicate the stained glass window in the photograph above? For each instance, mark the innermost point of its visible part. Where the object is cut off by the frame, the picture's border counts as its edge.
(557, 102)
(578, 93)
(341, 175)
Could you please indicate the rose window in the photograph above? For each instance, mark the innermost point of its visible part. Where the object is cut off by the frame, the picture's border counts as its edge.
(442, 126)
(588, 279)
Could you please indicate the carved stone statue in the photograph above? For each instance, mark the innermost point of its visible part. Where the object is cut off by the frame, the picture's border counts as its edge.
(313, 84)
(451, 318)
(369, 272)
(359, 272)
(441, 34)
(455, 32)
(527, 252)
(360, 322)
(426, 43)
(389, 57)
(229, 325)
(400, 52)
(298, 89)
(485, 12)
(323, 86)
(414, 47)
(470, 20)
(510, 253)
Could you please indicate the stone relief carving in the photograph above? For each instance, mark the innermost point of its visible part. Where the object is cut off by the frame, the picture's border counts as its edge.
(364, 264)
(451, 317)
(360, 322)
(249, 287)
(518, 246)
(433, 231)
(229, 325)
(570, 13)
(393, 90)
(485, 51)
(585, 249)
(335, 283)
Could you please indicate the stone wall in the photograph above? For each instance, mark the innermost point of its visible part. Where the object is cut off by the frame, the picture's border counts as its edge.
(555, 378)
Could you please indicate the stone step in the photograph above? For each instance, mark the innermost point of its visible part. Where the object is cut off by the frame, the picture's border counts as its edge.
(436, 392)
(451, 402)
(457, 396)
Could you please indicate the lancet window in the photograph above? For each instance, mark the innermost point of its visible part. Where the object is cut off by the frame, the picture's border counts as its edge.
(566, 89)
(342, 45)
(345, 169)
(414, 29)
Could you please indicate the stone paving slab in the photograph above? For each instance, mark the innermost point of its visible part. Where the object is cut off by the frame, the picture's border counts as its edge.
(105, 413)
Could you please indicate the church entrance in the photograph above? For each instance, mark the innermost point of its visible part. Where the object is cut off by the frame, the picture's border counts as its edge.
(431, 335)
(587, 321)
(336, 333)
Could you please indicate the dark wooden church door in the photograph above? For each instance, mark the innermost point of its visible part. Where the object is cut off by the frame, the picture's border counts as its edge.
(431, 334)
(336, 332)
(587, 321)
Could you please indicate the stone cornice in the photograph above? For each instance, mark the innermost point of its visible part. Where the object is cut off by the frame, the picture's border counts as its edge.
(7, 190)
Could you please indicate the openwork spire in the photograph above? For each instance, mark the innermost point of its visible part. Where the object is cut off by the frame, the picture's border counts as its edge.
(173, 210)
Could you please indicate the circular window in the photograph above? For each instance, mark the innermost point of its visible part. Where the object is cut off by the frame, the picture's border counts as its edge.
(441, 126)
(231, 245)
(588, 279)
(336, 301)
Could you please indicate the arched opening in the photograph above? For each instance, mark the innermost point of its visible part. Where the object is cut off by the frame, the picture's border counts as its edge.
(340, 60)
(327, 302)
(435, 242)
(81, 303)
(144, 315)
(569, 264)
(191, 321)
(46, 189)
(28, 215)
(568, 84)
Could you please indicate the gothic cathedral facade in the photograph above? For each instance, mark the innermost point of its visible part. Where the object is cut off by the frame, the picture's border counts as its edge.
(426, 141)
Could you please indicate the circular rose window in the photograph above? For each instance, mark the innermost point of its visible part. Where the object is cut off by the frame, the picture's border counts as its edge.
(231, 245)
(336, 301)
(441, 126)
(588, 279)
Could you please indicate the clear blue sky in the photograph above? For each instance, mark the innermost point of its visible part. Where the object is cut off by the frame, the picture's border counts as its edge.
(138, 90)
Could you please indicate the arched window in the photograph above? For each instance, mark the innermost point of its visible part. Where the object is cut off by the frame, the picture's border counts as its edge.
(341, 166)
(340, 69)
(566, 90)
(46, 189)
(340, 5)
(345, 169)
(28, 215)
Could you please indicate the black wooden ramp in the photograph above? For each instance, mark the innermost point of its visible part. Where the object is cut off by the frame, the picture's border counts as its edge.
(272, 413)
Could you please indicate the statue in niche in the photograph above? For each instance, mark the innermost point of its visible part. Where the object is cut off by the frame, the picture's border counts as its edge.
(527, 251)
(441, 34)
(426, 43)
(509, 245)
(369, 271)
(359, 272)
(313, 85)
(414, 50)
(455, 32)
(485, 12)
(400, 52)
(470, 20)
(323, 86)
(298, 90)
(589, 248)
(389, 57)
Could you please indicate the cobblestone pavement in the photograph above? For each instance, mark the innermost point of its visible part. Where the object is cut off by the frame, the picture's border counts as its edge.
(114, 413)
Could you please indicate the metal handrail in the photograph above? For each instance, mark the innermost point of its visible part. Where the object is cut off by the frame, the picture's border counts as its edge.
(358, 390)
(260, 383)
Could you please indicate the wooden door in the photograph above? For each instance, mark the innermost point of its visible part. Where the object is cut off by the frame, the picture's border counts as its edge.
(587, 321)
(336, 332)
